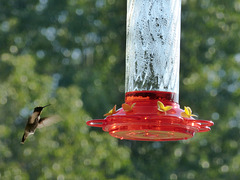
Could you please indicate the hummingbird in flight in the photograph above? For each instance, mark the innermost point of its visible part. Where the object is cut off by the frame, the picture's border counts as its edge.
(35, 121)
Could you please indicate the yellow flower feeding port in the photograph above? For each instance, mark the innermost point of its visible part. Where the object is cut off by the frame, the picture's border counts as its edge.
(151, 111)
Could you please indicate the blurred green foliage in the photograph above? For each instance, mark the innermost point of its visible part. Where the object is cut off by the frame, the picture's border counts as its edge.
(71, 53)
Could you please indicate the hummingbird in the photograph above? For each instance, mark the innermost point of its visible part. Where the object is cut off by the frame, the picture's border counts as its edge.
(35, 121)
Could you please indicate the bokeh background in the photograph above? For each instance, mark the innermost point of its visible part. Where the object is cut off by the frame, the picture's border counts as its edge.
(71, 53)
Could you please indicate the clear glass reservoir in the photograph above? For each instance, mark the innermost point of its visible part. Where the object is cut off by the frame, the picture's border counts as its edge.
(153, 46)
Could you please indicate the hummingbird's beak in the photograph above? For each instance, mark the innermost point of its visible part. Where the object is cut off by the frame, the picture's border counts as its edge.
(46, 105)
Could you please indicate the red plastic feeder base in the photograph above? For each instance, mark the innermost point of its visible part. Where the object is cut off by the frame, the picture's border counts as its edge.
(145, 122)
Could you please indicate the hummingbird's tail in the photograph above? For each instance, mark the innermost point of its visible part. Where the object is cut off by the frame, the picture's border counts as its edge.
(24, 138)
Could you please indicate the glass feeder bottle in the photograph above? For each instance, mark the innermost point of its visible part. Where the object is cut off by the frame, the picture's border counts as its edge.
(153, 47)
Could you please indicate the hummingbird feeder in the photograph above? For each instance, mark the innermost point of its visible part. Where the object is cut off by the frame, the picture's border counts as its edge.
(151, 111)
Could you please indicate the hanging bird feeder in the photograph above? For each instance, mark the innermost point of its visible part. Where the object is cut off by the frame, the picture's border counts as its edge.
(151, 111)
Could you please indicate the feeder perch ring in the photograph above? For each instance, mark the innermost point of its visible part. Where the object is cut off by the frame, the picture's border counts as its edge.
(146, 123)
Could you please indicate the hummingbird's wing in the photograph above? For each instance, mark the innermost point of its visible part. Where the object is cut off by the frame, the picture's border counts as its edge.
(47, 121)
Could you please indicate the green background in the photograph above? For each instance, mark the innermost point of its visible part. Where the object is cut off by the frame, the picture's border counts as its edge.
(71, 53)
